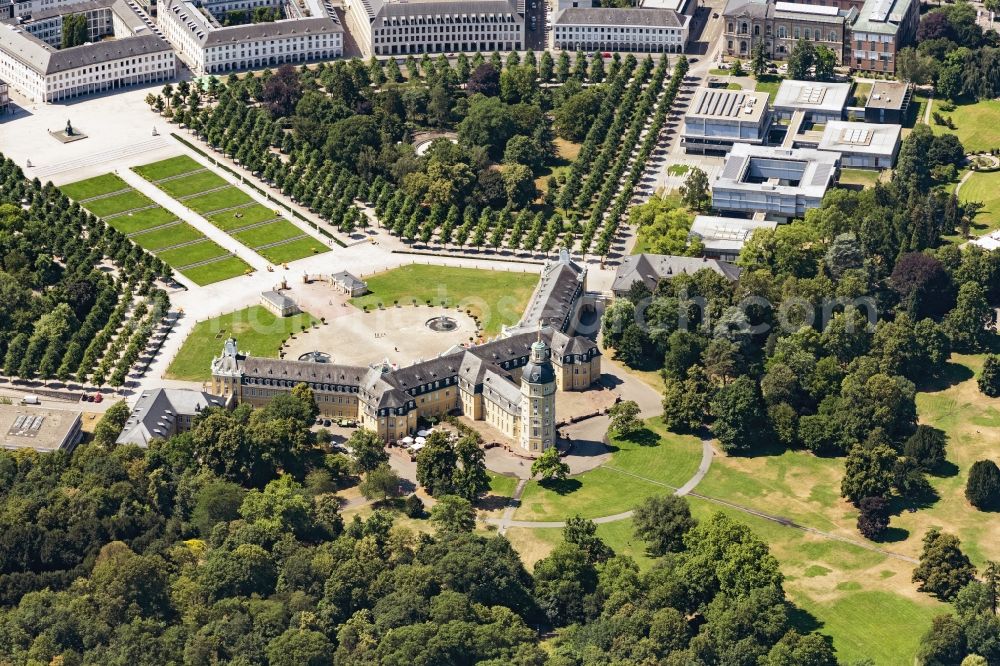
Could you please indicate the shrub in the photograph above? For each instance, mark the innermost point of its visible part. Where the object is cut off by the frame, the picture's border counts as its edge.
(983, 487)
(413, 506)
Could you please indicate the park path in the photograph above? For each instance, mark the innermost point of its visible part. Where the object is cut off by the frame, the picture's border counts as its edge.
(708, 453)
(965, 177)
(506, 521)
(182, 212)
(927, 108)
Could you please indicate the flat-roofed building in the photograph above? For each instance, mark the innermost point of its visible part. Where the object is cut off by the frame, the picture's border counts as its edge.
(717, 119)
(819, 101)
(724, 237)
(888, 102)
(125, 51)
(879, 31)
(862, 145)
(39, 429)
(636, 29)
(162, 413)
(780, 25)
(208, 47)
(781, 183)
(397, 27)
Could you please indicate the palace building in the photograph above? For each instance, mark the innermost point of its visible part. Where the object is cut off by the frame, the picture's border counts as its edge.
(209, 46)
(399, 27)
(123, 50)
(510, 383)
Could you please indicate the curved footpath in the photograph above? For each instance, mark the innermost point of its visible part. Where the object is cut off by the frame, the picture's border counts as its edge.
(507, 521)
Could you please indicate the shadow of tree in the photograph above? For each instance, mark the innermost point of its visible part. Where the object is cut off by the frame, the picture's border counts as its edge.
(893, 535)
(493, 502)
(563, 487)
(803, 621)
(951, 374)
(644, 437)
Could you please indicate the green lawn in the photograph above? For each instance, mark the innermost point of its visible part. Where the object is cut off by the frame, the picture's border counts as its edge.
(268, 233)
(769, 84)
(192, 254)
(501, 484)
(118, 203)
(242, 217)
(167, 236)
(985, 188)
(227, 198)
(864, 177)
(216, 271)
(93, 187)
(860, 89)
(257, 330)
(977, 125)
(142, 219)
(915, 114)
(296, 249)
(166, 168)
(656, 455)
(677, 169)
(495, 297)
(196, 182)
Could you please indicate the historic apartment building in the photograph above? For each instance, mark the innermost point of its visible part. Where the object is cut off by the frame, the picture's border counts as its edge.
(124, 51)
(509, 383)
(864, 35)
(395, 27)
(633, 29)
(208, 47)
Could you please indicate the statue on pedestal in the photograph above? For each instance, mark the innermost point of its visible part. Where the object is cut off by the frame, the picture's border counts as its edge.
(69, 128)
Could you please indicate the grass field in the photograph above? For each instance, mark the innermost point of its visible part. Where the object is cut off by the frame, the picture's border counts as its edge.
(242, 217)
(217, 271)
(495, 297)
(501, 484)
(192, 254)
(167, 168)
(141, 222)
(192, 184)
(977, 125)
(92, 187)
(863, 177)
(769, 84)
(257, 330)
(985, 188)
(268, 233)
(296, 249)
(167, 237)
(118, 203)
(142, 219)
(659, 457)
(230, 197)
(218, 200)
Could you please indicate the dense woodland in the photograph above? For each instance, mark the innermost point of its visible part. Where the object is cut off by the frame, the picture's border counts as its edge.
(339, 134)
(954, 53)
(78, 296)
(225, 544)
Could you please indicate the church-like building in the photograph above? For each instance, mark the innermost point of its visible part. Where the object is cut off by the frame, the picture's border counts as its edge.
(510, 383)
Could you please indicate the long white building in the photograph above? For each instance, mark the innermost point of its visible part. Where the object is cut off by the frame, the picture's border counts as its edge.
(208, 47)
(638, 29)
(391, 27)
(125, 52)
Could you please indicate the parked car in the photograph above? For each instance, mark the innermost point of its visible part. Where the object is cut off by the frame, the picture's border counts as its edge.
(347, 423)
(98, 397)
(327, 423)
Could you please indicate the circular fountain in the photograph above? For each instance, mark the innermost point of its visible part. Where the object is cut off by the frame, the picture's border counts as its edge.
(315, 357)
(441, 324)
